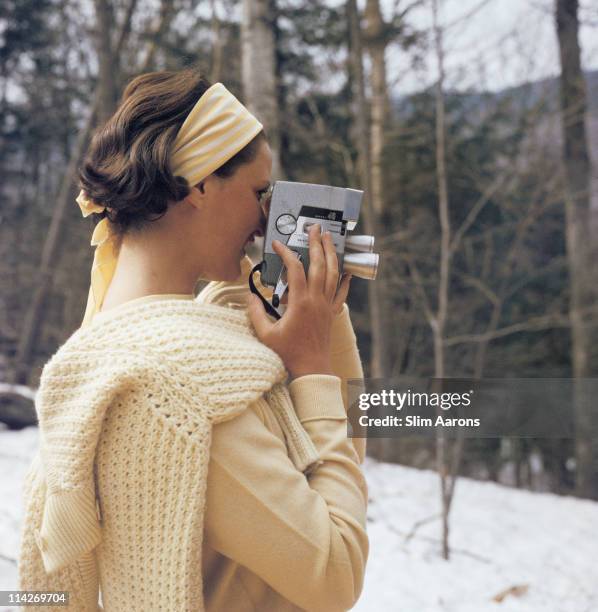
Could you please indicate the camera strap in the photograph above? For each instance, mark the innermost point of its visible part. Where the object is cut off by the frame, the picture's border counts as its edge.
(269, 308)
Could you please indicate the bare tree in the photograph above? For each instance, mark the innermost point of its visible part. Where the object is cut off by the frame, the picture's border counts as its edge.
(217, 45)
(362, 139)
(103, 95)
(438, 320)
(581, 244)
(375, 37)
(108, 61)
(260, 81)
(167, 14)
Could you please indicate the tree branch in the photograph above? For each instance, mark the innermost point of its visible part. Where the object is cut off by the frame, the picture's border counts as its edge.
(558, 320)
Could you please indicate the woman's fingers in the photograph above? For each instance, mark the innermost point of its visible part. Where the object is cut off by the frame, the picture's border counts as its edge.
(295, 273)
(341, 295)
(258, 317)
(323, 271)
(331, 266)
(316, 273)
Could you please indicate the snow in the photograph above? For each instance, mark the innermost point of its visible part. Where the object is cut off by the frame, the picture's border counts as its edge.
(16, 452)
(500, 538)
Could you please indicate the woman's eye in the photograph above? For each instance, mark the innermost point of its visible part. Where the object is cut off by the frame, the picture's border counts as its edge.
(262, 193)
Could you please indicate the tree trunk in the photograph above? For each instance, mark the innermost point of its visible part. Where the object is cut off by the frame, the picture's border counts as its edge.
(580, 244)
(102, 96)
(378, 356)
(33, 316)
(167, 14)
(107, 61)
(362, 135)
(376, 44)
(217, 45)
(375, 37)
(260, 81)
(447, 479)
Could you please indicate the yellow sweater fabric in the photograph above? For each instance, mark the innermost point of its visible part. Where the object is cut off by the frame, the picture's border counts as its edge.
(178, 470)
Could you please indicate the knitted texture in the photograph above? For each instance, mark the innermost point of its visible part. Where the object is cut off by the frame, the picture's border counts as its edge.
(126, 407)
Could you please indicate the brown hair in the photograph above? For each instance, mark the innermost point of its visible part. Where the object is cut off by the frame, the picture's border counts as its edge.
(126, 167)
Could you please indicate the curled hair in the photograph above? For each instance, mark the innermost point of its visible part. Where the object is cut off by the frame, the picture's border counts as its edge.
(127, 165)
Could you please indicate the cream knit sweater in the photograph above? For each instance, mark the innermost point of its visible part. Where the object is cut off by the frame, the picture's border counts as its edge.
(148, 383)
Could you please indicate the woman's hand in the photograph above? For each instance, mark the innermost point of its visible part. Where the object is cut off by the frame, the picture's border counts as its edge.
(302, 336)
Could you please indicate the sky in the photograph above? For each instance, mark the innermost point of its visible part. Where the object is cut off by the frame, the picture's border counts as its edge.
(489, 44)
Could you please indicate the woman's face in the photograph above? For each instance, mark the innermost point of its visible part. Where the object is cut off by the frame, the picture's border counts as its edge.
(230, 214)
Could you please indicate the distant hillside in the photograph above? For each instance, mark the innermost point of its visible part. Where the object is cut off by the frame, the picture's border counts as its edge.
(524, 96)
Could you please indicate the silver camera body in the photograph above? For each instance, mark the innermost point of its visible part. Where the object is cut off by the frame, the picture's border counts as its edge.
(294, 208)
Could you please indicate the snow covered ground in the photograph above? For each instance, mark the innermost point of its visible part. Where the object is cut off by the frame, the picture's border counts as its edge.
(538, 550)
(500, 537)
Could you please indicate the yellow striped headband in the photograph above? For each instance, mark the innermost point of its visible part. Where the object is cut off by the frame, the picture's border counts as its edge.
(217, 128)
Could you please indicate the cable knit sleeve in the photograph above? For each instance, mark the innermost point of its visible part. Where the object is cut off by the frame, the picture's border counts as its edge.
(303, 535)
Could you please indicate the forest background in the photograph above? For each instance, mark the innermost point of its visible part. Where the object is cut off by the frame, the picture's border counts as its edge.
(475, 142)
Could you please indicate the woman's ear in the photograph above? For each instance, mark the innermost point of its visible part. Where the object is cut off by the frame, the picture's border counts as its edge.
(202, 191)
(196, 196)
(207, 185)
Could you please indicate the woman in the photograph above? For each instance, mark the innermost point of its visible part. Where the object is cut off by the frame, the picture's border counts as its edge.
(193, 452)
